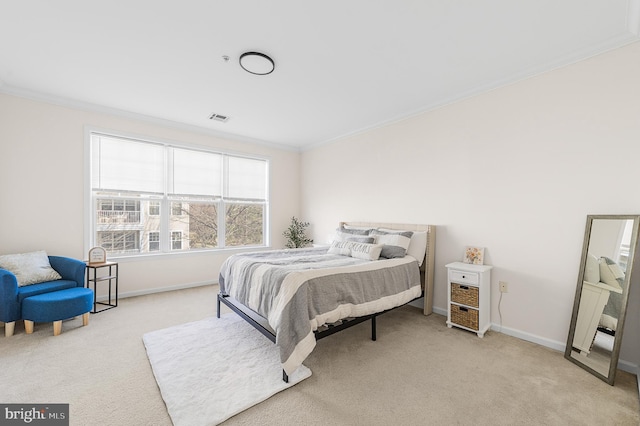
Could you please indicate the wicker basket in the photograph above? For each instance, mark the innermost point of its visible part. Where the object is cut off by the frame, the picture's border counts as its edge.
(464, 294)
(466, 317)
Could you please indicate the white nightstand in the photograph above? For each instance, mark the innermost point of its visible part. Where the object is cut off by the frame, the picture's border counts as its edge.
(469, 291)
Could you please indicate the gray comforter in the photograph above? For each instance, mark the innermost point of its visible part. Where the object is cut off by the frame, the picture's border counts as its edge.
(299, 290)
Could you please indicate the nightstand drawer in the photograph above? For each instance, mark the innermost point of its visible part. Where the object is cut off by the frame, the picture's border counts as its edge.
(465, 295)
(466, 317)
(464, 277)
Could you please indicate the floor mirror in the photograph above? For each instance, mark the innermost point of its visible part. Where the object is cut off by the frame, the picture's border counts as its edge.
(604, 278)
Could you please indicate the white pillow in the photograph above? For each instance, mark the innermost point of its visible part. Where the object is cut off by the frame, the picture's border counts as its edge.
(359, 228)
(417, 245)
(340, 247)
(610, 273)
(592, 269)
(395, 243)
(365, 251)
(29, 268)
(357, 250)
(607, 321)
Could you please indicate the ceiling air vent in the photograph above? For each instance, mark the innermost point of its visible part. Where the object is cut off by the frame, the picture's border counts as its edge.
(218, 117)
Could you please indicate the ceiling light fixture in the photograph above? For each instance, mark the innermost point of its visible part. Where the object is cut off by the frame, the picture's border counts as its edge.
(257, 63)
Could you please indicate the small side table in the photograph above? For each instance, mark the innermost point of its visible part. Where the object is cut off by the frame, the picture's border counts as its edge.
(111, 276)
(469, 296)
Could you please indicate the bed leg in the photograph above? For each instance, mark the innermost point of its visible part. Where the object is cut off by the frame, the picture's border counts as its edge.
(285, 378)
(218, 306)
(373, 329)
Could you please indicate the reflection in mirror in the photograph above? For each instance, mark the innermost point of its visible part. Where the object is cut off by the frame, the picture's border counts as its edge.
(595, 333)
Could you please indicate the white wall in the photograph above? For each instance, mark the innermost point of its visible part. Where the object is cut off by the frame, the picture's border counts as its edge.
(515, 170)
(42, 182)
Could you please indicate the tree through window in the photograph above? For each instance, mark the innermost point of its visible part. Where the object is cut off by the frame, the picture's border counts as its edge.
(157, 198)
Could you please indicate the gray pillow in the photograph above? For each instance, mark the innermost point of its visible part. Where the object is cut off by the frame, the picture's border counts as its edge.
(361, 239)
(352, 231)
(395, 244)
(392, 252)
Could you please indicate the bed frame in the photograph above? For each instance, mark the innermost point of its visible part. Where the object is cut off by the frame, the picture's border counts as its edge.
(426, 279)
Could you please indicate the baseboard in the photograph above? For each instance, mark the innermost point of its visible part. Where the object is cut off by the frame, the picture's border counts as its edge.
(158, 290)
(553, 344)
(559, 346)
(623, 365)
(440, 311)
(629, 367)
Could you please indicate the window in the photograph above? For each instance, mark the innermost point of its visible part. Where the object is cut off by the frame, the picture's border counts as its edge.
(152, 197)
(176, 209)
(154, 208)
(119, 241)
(176, 240)
(154, 241)
(118, 211)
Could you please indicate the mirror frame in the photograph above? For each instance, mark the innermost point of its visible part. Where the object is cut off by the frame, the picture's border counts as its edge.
(613, 365)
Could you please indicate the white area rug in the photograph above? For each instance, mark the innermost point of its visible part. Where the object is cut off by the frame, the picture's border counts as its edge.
(212, 369)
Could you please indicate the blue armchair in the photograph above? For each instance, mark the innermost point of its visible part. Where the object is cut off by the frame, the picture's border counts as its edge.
(11, 296)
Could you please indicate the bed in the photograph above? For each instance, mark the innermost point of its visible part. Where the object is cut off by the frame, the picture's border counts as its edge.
(297, 296)
(600, 301)
(613, 276)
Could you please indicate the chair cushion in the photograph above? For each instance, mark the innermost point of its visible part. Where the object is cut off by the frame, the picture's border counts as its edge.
(49, 286)
(57, 305)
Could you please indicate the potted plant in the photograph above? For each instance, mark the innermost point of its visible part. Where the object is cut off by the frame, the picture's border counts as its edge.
(295, 234)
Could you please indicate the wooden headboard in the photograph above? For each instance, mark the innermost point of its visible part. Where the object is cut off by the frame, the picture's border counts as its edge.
(428, 265)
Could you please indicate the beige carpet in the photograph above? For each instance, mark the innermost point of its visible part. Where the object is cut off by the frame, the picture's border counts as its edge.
(419, 372)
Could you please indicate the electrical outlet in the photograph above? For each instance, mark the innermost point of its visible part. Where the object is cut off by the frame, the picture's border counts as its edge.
(504, 287)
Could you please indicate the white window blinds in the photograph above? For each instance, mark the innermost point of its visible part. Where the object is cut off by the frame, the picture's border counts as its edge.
(126, 165)
(196, 173)
(247, 178)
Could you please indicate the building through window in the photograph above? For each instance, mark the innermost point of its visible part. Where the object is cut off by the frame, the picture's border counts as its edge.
(150, 198)
(154, 241)
(154, 208)
(176, 240)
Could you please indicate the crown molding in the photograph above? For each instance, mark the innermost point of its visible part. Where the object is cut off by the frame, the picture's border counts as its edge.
(575, 57)
(89, 107)
(633, 35)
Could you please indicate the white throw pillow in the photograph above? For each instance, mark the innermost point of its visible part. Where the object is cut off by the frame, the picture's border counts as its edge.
(29, 268)
(365, 251)
(592, 269)
(340, 247)
(418, 246)
(355, 249)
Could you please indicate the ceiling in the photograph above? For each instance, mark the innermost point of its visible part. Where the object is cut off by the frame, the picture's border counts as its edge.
(341, 67)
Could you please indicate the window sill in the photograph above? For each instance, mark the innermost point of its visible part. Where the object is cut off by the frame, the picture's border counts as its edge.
(178, 254)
